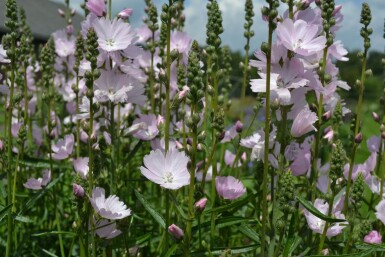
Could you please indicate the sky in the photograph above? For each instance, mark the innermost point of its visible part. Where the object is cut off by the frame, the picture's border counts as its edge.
(233, 20)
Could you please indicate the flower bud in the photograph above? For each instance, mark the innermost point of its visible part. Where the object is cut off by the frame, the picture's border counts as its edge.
(176, 231)
(61, 12)
(358, 138)
(125, 14)
(326, 116)
(200, 205)
(238, 126)
(376, 118)
(78, 190)
(1, 145)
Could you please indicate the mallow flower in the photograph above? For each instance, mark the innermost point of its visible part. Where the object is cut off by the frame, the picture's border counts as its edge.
(303, 123)
(37, 184)
(106, 229)
(169, 170)
(229, 187)
(97, 7)
(111, 208)
(300, 37)
(81, 166)
(63, 148)
(113, 35)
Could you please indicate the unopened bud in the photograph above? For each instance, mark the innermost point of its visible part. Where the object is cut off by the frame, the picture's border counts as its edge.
(376, 118)
(238, 126)
(358, 138)
(369, 73)
(61, 12)
(78, 190)
(176, 231)
(125, 14)
(326, 116)
(200, 205)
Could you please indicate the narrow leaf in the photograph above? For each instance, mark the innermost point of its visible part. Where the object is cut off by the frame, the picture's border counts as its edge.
(4, 212)
(55, 233)
(250, 233)
(151, 210)
(237, 204)
(171, 250)
(310, 207)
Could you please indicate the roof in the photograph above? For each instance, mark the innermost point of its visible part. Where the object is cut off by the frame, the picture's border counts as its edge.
(42, 17)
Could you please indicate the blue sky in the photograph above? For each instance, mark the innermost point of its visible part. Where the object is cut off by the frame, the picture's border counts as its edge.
(233, 20)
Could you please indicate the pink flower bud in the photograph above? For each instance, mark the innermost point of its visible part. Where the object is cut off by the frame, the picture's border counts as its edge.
(125, 14)
(78, 190)
(326, 116)
(73, 12)
(61, 12)
(376, 118)
(358, 138)
(337, 9)
(176, 231)
(1, 145)
(374, 237)
(70, 29)
(238, 126)
(200, 205)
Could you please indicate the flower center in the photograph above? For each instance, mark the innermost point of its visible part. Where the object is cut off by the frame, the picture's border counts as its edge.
(110, 42)
(298, 44)
(280, 82)
(168, 177)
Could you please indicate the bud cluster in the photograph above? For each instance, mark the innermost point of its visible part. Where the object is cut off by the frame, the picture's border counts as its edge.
(366, 17)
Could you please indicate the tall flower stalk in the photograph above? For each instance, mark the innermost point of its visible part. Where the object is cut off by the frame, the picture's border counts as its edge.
(270, 12)
(366, 17)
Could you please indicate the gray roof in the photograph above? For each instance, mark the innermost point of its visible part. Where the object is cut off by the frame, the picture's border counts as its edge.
(42, 17)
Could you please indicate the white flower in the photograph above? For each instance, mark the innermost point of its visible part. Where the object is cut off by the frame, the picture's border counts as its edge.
(168, 170)
(110, 208)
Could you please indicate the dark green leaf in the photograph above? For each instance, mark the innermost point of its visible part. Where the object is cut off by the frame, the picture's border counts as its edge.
(171, 250)
(310, 207)
(23, 219)
(4, 211)
(151, 210)
(234, 205)
(232, 250)
(55, 233)
(249, 232)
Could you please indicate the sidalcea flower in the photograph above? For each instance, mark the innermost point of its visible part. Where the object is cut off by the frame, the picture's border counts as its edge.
(374, 237)
(300, 37)
(200, 205)
(106, 229)
(317, 225)
(380, 211)
(97, 7)
(113, 35)
(176, 231)
(110, 208)
(3, 55)
(37, 184)
(125, 14)
(168, 170)
(303, 123)
(63, 148)
(229, 187)
(81, 166)
(145, 127)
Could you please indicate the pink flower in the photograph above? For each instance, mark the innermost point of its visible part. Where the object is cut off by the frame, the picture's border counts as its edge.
(176, 231)
(145, 127)
(180, 42)
(64, 44)
(229, 187)
(125, 14)
(317, 225)
(106, 229)
(168, 170)
(110, 208)
(303, 123)
(300, 37)
(63, 148)
(230, 159)
(36, 184)
(113, 35)
(374, 237)
(97, 7)
(3, 55)
(81, 166)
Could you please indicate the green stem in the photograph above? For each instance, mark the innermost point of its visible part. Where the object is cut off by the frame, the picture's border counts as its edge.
(325, 230)
(9, 151)
(77, 120)
(267, 136)
(245, 79)
(113, 147)
(110, 9)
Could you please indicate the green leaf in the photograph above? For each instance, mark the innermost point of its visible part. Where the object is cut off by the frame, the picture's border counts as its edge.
(249, 232)
(237, 204)
(225, 222)
(310, 207)
(151, 210)
(232, 250)
(38, 195)
(49, 253)
(23, 219)
(133, 152)
(55, 233)
(293, 239)
(43, 163)
(171, 250)
(4, 211)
